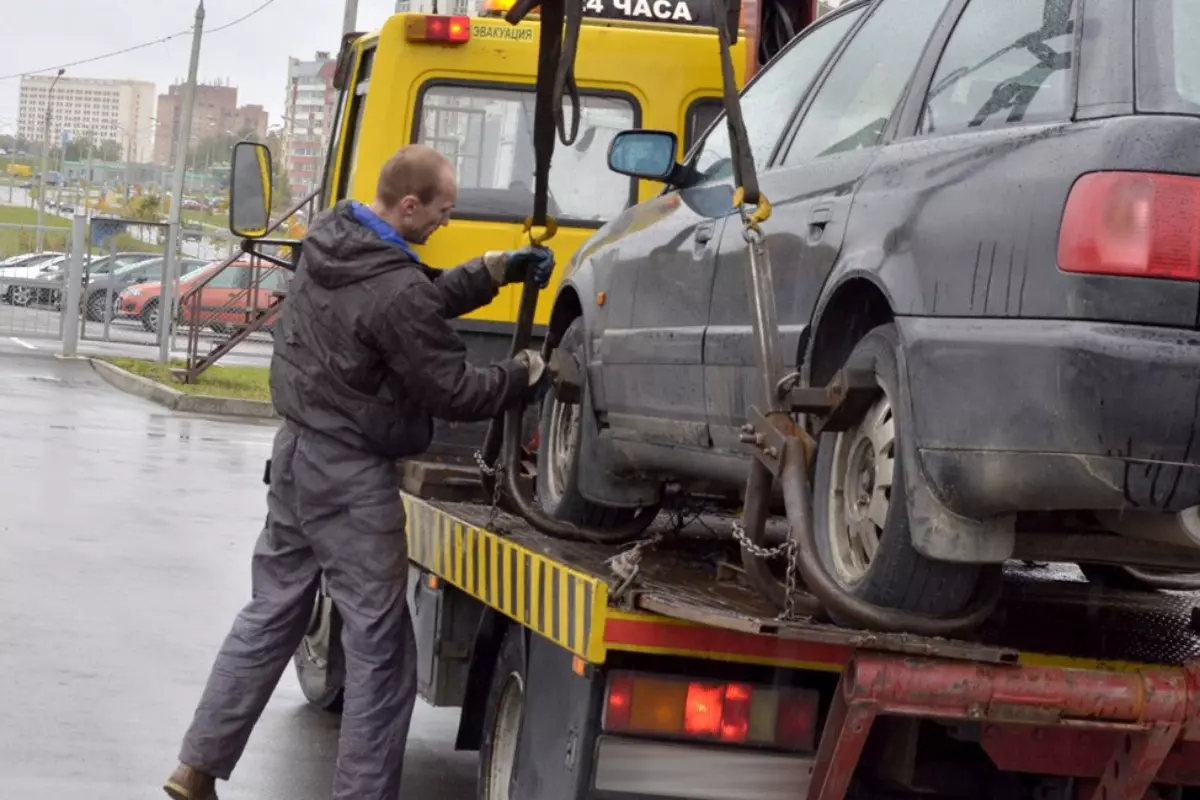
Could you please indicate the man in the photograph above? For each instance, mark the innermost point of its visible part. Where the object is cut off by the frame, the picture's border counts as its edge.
(364, 358)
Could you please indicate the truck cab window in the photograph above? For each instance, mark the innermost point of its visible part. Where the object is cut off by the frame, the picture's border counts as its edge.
(486, 132)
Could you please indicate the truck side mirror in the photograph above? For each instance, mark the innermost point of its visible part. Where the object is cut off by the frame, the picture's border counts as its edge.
(250, 190)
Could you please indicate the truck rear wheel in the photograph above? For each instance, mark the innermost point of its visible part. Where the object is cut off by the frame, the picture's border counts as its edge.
(319, 663)
(560, 454)
(860, 509)
(502, 721)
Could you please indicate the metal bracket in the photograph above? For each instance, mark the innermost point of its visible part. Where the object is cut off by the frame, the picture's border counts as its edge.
(568, 377)
(839, 404)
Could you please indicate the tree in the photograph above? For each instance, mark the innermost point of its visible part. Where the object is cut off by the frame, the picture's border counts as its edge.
(281, 187)
(80, 147)
(109, 150)
(8, 142)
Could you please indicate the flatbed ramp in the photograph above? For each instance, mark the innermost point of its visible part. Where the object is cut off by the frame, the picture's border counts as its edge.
(689, 599)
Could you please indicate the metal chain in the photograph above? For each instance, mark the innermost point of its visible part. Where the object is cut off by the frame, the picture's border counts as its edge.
(787, 549)
(495, 473)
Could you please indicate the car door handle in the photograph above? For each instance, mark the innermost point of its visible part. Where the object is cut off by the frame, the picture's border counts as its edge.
(820, 216)
(818, 219)
(704, 232)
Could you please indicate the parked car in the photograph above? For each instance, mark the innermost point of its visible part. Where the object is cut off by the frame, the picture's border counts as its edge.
(110, 283)
(997, 215)
(40, 267)
(224, 302)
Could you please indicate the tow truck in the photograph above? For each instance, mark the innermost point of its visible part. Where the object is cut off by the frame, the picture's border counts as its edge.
(656, 669)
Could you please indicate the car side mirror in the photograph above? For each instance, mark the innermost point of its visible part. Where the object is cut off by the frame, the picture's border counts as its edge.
(643, 154)
(250, 190)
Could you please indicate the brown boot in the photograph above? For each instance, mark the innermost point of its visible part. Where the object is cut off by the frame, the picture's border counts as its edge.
(187, 783)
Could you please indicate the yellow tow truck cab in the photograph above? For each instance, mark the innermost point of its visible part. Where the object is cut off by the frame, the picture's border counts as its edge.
(465, 85)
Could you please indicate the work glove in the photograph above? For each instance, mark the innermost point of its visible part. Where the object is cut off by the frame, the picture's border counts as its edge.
(511, 266)
(540, 377)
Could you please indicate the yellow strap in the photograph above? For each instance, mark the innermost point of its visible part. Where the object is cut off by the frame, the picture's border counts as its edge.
(546, 234)
(762, 212)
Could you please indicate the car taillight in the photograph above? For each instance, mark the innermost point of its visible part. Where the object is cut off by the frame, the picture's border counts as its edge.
(1135, 224)
(435, 28)
(735, 713)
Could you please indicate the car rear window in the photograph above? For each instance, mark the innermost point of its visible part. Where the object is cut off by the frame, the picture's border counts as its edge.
(1168, 67)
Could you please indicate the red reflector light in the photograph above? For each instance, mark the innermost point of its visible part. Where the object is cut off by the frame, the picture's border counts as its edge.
(436, 28)
(702, 716)
(620, 702)
(1134, 224)
(733, 713)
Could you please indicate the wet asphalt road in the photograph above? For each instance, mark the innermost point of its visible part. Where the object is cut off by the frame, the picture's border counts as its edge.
(125, 538)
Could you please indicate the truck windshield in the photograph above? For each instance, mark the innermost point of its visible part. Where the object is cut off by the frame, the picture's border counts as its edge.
(487, 133)
(1168, 60)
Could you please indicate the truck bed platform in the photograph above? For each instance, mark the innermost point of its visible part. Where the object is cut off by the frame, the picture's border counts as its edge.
(689, 599)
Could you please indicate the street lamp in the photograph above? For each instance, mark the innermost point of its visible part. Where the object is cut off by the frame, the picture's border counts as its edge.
(41, 231)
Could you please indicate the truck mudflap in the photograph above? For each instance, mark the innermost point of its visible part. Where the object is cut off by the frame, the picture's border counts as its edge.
(1117, 734)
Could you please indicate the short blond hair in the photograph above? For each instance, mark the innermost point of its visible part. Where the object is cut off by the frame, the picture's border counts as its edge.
(415, 169)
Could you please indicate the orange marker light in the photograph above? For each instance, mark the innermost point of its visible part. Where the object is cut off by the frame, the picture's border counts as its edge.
(601, 298)
(437, 28)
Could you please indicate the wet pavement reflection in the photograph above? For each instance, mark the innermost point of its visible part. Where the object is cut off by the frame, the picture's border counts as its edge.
(125, 537)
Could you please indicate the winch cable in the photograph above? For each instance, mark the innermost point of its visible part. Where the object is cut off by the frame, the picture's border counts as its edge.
(801, 550)
(555, 81)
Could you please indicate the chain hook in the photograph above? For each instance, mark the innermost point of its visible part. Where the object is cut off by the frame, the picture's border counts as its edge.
(545, 233)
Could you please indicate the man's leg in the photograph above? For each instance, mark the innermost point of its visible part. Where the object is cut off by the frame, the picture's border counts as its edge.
(264, 636)
(364, 555)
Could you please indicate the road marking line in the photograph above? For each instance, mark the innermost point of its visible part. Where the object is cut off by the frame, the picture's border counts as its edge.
(24, 344)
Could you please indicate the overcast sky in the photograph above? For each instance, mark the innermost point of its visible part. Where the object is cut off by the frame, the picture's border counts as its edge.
(251, 56)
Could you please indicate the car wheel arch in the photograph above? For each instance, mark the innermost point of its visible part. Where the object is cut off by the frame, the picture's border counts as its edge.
(857, 298)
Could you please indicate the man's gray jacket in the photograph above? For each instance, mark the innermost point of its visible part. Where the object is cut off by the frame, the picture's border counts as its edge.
(363, 350)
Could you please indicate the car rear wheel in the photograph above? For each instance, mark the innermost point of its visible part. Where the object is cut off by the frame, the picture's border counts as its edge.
(20, 295)
(95, 307)
(502, 722)
(560, 455)
(860, 509)
(150, 316)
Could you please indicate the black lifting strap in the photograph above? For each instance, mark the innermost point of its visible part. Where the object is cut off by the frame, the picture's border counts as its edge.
(556, 78)
(726, 13)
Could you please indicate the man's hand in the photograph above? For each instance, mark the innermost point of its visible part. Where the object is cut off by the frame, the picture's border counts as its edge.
(512, 266)
(532, 360)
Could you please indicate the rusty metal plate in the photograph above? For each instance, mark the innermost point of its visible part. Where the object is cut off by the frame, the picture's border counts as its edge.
(1046, 610)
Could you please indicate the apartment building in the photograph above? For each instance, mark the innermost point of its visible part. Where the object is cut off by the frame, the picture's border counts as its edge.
(215, 113)
(308, 120)
(102, 109)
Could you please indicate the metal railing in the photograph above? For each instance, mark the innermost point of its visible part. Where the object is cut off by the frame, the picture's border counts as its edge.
(254, 316)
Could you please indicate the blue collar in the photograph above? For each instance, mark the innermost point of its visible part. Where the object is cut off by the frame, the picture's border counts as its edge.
(380, 228)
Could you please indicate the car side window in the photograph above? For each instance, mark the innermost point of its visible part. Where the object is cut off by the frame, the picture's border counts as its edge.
(1004, 64)
(229, 278)
(856, 100)
(768, 102)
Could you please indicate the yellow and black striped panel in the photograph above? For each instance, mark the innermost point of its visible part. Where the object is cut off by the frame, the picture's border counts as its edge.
(564, 605)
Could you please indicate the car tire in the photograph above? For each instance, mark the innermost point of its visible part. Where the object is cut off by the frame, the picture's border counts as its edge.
(861, 513)
(320, 665)
(559, 455)
(502, 720)
(95, 307)
(20, 296)
(150, 316)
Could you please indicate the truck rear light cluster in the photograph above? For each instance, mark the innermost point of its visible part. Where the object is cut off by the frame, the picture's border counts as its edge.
(436, 28)
(1135, 224)
(732, 713)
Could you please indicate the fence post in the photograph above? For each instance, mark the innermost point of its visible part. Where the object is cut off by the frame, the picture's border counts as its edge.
(70, 306)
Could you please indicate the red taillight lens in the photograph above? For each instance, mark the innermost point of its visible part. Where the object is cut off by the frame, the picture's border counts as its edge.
(1134, 224)
(435, 28)
(620, 702)
(736, 713)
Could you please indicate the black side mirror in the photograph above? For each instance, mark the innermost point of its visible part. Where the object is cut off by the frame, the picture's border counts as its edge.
(250, 190)
(643, 154)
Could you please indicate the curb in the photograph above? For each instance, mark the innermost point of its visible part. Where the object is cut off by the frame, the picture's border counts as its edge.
(176, 400)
